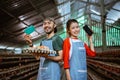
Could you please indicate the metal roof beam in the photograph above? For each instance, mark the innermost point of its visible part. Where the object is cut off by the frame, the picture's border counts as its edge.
(111, 4)
(116, 9)
(38, 10)
(91, 3)
(12, 15)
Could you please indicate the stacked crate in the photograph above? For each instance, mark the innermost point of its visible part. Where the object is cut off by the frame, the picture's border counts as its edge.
(18, 67)
(106, 64)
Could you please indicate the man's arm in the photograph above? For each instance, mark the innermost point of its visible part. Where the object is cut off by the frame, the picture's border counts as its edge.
(29, 41)
(56, 58)
(57, 46)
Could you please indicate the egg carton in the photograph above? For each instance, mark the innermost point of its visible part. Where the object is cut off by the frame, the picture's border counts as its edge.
(38, 50)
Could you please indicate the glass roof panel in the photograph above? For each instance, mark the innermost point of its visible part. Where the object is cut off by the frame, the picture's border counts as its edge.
(64, 8)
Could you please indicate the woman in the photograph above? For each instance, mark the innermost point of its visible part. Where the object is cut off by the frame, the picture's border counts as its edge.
(74, 52)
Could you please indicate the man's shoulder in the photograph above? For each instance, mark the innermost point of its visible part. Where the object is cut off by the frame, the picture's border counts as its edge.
(43, 39)
(56, 37)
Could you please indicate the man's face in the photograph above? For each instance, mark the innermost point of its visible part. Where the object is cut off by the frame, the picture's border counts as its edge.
(48, 26)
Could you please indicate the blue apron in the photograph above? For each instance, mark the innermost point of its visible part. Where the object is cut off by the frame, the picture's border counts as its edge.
(48, 69)
(78, 67)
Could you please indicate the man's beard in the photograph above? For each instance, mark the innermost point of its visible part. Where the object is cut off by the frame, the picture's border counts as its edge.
(50, 31)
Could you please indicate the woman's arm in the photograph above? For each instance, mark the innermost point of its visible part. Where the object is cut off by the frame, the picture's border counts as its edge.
(66, 49)
(90, 51)
(67, 74)
(91, 43)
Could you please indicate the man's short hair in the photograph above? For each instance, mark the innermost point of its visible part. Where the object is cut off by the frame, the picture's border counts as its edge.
(53, 20)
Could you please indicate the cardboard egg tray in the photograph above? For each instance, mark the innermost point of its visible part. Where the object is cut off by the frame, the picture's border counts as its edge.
(38, 51)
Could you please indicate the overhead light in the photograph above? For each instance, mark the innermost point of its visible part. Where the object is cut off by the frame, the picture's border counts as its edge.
(2, 47)
(10, 48)
(17, 48)
(21, 18)
(95, 12)
(62, 19)
(15, 5)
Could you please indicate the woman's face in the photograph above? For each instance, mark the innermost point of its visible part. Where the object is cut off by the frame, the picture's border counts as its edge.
(74, 30)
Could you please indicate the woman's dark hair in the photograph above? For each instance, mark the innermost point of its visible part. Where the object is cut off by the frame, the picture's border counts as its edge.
(52, 19)
(69, 22)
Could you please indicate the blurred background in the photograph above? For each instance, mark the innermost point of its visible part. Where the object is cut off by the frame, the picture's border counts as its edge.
(102, 16)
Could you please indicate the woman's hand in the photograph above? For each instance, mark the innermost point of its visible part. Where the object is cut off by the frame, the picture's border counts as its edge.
(90, 38)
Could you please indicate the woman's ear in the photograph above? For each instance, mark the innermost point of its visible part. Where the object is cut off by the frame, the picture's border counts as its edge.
(68, 32)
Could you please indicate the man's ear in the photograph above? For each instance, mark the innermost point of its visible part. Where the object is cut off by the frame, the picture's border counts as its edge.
(55, 25)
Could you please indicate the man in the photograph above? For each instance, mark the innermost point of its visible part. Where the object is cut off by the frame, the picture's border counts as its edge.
(49, 68)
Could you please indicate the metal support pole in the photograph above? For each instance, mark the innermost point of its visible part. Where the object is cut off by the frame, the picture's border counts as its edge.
(103, 19)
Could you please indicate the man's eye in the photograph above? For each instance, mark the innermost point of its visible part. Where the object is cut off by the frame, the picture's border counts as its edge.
(44, 23)
(49, 22)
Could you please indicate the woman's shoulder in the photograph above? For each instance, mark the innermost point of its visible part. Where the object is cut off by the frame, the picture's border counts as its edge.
(66, 39)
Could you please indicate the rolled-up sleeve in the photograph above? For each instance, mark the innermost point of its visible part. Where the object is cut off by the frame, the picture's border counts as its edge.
(66, 49)
(89, 51)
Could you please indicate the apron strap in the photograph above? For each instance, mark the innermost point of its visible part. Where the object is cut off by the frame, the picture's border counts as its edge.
(70, 48)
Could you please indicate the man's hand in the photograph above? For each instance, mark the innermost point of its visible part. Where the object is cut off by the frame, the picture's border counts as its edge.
(42, 54)
(28, 40)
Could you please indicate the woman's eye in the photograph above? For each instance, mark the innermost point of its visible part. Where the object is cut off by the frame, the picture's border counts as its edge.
(77, 26)
(73, 27)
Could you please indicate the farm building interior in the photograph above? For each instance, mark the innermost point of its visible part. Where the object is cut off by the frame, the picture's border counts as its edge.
(102, 17)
